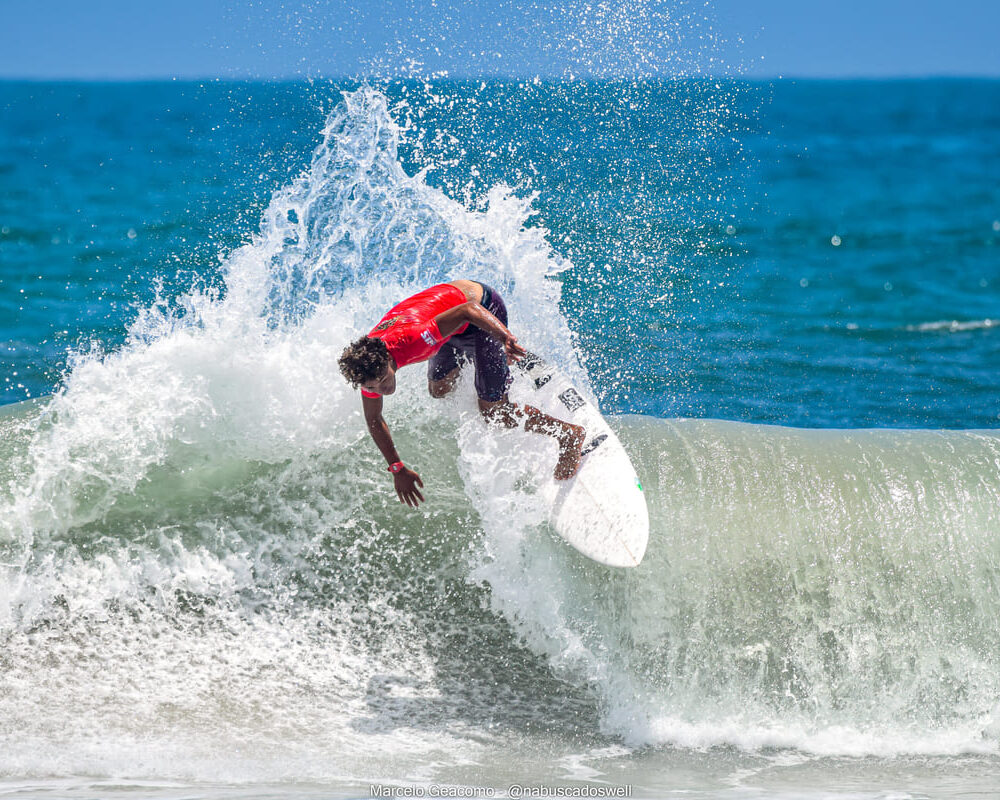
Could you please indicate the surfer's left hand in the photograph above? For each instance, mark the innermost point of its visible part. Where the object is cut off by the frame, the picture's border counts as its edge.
(514, 351)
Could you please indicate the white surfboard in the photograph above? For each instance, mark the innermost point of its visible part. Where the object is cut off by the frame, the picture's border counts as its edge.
(601, 511)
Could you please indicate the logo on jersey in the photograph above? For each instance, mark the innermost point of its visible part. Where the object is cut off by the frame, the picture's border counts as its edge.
(383, 325)
(428, 337)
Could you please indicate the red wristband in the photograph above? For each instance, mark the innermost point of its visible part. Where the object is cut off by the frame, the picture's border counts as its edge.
(396, 466)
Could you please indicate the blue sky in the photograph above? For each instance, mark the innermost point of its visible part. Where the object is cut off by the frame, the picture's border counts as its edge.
(116, 39)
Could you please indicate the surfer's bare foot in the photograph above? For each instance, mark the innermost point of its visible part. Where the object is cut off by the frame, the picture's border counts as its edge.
(570, 446)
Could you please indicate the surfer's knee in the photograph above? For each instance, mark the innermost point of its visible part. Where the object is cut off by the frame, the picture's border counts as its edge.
(440, 388)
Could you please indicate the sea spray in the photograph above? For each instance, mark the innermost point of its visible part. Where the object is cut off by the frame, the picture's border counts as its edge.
(201, 545)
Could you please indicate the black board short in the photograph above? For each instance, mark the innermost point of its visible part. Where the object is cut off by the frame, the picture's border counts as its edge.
(492, 373)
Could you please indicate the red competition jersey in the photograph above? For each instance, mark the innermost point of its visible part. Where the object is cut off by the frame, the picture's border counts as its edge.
(409, 330)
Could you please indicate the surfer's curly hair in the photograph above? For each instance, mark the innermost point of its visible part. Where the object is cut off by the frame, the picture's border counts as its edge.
(364, 360)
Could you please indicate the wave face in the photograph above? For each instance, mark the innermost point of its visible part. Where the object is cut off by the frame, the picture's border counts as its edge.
(833, 591)
(202, 563)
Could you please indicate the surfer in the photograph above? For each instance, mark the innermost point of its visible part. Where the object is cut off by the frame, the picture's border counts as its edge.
(447, 325)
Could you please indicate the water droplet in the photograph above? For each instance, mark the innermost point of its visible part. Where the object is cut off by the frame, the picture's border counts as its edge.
(803, 282)
(131, 233)
(835, 240)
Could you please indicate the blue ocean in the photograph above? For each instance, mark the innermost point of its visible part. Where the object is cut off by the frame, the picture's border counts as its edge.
(783, 295)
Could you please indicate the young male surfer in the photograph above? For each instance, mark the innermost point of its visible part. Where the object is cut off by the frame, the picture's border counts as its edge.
(447, 324)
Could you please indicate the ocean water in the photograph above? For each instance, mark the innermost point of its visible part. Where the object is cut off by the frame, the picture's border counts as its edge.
(783, 295)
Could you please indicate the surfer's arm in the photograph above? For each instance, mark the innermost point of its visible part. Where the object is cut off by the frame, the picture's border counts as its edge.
(474, 314)
(406, 480)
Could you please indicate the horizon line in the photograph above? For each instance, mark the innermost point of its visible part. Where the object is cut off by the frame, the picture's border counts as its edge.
(506, 78)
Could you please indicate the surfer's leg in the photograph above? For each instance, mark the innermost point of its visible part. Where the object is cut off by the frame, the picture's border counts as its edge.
(493, 379)
(492, 373)
(569, 436)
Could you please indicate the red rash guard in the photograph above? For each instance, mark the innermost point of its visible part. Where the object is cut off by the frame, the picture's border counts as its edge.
(409, 330)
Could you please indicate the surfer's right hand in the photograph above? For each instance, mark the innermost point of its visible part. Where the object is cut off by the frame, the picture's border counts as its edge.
(514, 351)
(406, 481)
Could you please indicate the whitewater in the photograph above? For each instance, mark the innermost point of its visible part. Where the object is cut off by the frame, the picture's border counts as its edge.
(207, 581)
